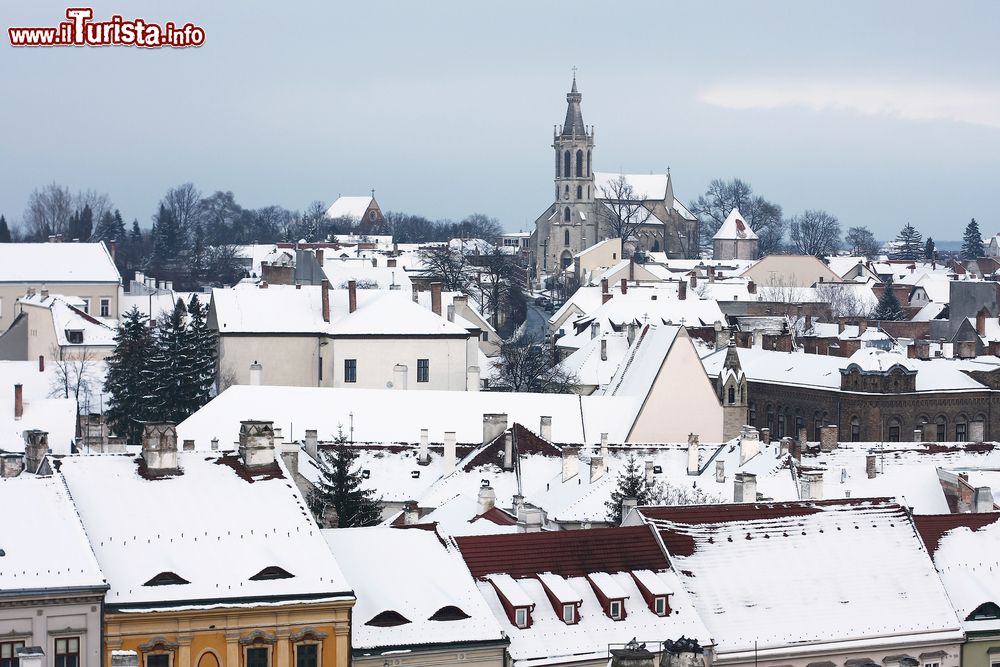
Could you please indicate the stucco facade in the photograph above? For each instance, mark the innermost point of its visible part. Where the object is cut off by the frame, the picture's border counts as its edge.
(42, 619)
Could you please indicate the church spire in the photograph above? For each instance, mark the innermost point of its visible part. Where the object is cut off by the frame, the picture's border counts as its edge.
(574, 127)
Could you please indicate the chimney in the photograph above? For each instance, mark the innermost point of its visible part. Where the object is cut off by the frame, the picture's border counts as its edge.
(450, 452)
(41, 363)
(44, 293)
(624, 286)
(451, 312)
(411, 513)
(751, 287)
(629, 503)
(423, 453)
(604, 285)
(596, 468)
(436, 298)
(693, 462)
(36, 447)
(30, 656)
(648, 469)
(121, 658)
(631, 269)
(189, 445)
(256, 443)
(682, 290)
(390, 263)
(277, 436)
(159, 447)
(694, 279)
(595, 328)
(570, 463)
(918, 435)
(352, 295)
(472, 378)
(862, 327)
(324, 288)
(256, 373)
(720, 472)
(319, 256)
(794, 448)
(809, 322)
(749, 447)
(18, 401)
(545, 428)
(415, 291)
(508, 451)
(765, 435)
(828, 437)
(400, 374)
(870, 466)
(803, 437)
(604, 349)
(493, 426)
(981, 322)
(840, 325)
(530, 519)
(487, 500)
(982, 500)
(605, 297)
(711, 275)
(312, 444)
(811, 486)
(215, 445)
(604, 446)
(745, 488)
(630, 333)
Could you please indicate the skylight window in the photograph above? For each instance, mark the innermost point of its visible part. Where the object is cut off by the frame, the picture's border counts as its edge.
(166, 579)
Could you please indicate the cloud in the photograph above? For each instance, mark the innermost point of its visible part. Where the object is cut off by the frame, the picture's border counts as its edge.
(907, 101)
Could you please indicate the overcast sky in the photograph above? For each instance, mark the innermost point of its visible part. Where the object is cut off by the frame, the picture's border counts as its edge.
(879, 112)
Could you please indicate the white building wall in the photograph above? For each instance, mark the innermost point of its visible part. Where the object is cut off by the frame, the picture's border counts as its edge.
(377, 358)
(286, 360)
(93, 292)
(40, 621)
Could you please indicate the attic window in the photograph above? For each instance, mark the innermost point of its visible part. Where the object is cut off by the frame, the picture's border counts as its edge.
(74, 336)
(569, 613)
(272, 572)
(366, 473)
(388, 619)
(615, 610)
(660, 605)
(521, 617)
(984, 612)
(449, 613)
(415, 474)
(166, 579)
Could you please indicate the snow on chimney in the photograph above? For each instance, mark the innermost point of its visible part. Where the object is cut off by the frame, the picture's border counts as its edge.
(415, 292)
(18, 401)
(256, 373)
(436, 298)
(324, 288)
(751, 287)
(811, 486)
(36, 446)
(745, 488)
(604, 349)
(682, 290)
(450, 451)
(493, 426)
(29, 656)
(352, 295)
(629, 503)
(749, 447)
(693, 462)
(159, 446)
(570, 463)
(982, 500)
(486, 501)
(604, 285)
(312, 444)
(256, 443)
(545, 428)
(605, 297)
(596, 468)
(112, 248)
(423, 453)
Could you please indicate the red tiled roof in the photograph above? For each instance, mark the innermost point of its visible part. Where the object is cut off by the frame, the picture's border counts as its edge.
(497, 516)
(574, 553)
(932, 527)
(525, 442)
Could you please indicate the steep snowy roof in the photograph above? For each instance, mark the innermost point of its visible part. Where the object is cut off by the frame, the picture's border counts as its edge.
(645, 187)
(412, 573)
(339, 271)
(641, 363)
(349, 207)
(735, 228)
(884, 586)
(52, 263)
(215, 526)
(57, 416)
(588, 366)
(43, 543)
(67, 315)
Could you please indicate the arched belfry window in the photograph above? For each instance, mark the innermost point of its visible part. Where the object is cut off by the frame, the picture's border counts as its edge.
(566, 217)
(579, 192)
(588, 163)
(732, 394)
(557, 163)
(579, 164)
(565, 237)
(566, 160)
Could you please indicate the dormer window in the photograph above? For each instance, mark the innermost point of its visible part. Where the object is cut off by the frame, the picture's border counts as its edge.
(74, 336)
(655, 591)
(615, 610)
(660, 605)
(569, 613)
(610, 594)
(521, 617)
(272, 572)
(166, 579)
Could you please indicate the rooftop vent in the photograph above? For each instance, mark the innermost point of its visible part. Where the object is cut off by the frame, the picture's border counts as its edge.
(272, 572)
(166, 579)
(449, 613)
(388, 619)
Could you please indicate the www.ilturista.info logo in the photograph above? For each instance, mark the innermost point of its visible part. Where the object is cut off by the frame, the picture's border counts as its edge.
(80, 30)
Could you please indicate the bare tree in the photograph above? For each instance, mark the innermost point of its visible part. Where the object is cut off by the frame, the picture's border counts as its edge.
(721, 197)
(74, 375)
(524, 364)
(845, 299)
(862, 242)
(447, 266)
(498, 281)
(815, 232)
(99, 203)
(49, 210)
(184, 202)
(624, 209)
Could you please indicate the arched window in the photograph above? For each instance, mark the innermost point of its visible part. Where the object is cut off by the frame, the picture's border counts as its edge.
(752, 413)
(566, 192)
(566, 219)
(941, 428)
(579, 164)
(732, 394)
(565, 237)
(579, 192)
(566, 160)
(588, 163)
(961, 428)
(557, 163)
(817, 426)
(894, 429)
(855, 429)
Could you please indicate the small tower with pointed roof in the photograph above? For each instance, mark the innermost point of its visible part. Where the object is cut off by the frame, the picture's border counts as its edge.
(732, 386)
(735, 239)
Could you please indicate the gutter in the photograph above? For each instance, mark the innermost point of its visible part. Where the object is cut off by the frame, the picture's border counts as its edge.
(478, 643)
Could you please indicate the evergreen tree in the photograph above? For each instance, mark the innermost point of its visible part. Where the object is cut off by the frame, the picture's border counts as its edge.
(909, 243)
(339, 491)
(127, 375)
(972, 241)
(631, 484)
(888, 307)
(203, 342)
(105, 228)
(118, 233)
(4, 230)
(169, 373)
(929, 249)
(135, 236)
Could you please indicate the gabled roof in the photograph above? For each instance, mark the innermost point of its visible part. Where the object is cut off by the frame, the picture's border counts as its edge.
(645, 187)
(57, 416)
(573, 553)
(735, 228)
(51, 263)
(68, 315)
(349, 207)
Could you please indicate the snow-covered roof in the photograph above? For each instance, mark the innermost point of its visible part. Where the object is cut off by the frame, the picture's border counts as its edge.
(57, 416)
(68, 315)
(349, 207)
(51, 263)
(683, 211)
(858, 565)
(412, 573)
(216, 525)
(735, 228)
(642, 361)
(339, 271)
(588, 366)
(43, 543)
(645, 187)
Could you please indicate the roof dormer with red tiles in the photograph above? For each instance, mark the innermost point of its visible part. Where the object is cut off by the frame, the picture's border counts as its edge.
(610, 595)
(564, 600)
(654, 591)
(515, 602)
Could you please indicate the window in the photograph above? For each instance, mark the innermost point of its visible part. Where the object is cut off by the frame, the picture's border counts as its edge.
(257, 656)
(732, 395)
(588, 170)
(961, 432)
(319, 371)
(86, 306)
(521, 613)
(423, 370)
(307, 655)
(942, 429)
(74, 336)
(486, 335)
(566, 218)
(105, 307)
(371, 215)
(158, 660)
(68, 652)
(557, 167)
(350, 370)
(855, 430)
(566, 160)
(569, 614)
(8, 653)
(932, 664)
(894, 431)
(660, 606)
(579, 192)
(579, 164)
(615, 610)
(566, 235)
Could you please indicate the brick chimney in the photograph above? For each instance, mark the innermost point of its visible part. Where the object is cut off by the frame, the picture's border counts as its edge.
(493, 426)
(605, 297)
(604, 285)
(256, 443)
(324, 288)
(694, 279)
(436, 298)
(159, 447)
(682, 290)
(36, 447)
(765, 435)
(751, 287)
(631, 269)
(18, 401)
(545, 428)
(352, 295)
(624, 286)
(981, 322)
(828, 437)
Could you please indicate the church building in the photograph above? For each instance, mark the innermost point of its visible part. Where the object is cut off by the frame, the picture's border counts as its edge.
(590, 206)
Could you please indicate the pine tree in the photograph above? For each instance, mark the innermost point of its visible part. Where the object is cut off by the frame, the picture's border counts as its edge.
(339, 491)
(4, 230)
(126, 376)
(631, 484)
(105, 228)
(929, 249)
(972, 241)
(170, 368)
(118, 233)
(135, 236)
(203, 343)
(909, 243)
(888, 307)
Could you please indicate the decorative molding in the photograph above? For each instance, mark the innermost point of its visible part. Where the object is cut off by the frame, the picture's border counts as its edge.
(158, 643)
(307, 632)
(258, 637)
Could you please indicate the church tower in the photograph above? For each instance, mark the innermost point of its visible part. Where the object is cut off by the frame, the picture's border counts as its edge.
(733, 392)
(573, 225)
